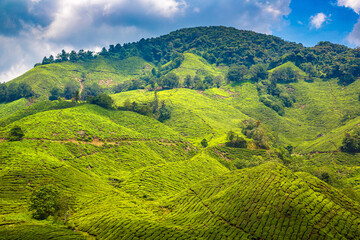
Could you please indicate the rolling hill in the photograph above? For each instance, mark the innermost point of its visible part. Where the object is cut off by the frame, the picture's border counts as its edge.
(135, 177)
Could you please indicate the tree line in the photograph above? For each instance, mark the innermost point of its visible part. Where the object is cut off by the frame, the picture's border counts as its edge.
(15, 91)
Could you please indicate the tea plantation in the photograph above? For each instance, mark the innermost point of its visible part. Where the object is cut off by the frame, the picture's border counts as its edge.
(182, 151)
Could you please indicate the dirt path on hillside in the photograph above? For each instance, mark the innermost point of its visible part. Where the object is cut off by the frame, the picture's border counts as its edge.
(98, 142)
(81, 85)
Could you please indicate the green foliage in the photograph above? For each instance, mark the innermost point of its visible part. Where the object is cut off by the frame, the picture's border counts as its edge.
(284, 75)
(70, 89)
(15, 134)
(290, 149)
(15, 91)
(351, 142)
(102, 100)
(135, 177)
(45, 202)
(164, 112)
(253, 130)
(170, 81)
(92, 90)
(235, 141)
(55, 94)
(237, 73)
(204, 143)
(258, 72)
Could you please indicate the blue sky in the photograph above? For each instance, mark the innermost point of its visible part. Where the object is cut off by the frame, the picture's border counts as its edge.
(31, 29)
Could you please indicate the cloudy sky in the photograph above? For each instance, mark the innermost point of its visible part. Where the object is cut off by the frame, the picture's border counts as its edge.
(32, 29)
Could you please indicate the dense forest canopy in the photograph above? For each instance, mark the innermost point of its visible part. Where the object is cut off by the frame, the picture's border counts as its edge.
(228, 46)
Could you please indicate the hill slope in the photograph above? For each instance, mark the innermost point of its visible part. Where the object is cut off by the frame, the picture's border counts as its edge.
(134, 177)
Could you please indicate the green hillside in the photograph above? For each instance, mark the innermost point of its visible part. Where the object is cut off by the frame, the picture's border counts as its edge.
(100, 70)
(203, 133)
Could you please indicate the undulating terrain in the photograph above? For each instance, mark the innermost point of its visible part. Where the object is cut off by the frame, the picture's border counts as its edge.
(213, 133)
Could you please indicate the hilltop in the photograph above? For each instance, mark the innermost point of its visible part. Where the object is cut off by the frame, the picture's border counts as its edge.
(203, 133)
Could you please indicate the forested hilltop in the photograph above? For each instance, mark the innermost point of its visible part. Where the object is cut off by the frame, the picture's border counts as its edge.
(203, 133)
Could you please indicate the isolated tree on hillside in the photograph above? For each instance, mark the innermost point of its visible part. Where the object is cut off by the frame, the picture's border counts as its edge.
(49, 201)
(15, 134)
(102, 100)
(164, 112)
(204, 143)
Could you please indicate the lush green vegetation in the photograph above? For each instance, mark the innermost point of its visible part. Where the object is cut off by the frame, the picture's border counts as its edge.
(204, 133)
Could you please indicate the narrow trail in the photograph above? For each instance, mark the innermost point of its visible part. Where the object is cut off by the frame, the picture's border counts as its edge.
(81, 85)
(98, 142)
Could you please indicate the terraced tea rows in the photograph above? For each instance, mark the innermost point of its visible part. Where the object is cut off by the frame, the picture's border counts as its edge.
(266, 202)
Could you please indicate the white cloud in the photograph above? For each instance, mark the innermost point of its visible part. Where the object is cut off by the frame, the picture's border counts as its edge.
(93, 24)
(354, 36)
(318, 20)
(353, 4)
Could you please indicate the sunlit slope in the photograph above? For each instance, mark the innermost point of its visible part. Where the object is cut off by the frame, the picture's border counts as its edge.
(7, 109)
(106, 72)
(321, 108)
(195, 65)
(267, 202)
(88, 122)
(194, 115)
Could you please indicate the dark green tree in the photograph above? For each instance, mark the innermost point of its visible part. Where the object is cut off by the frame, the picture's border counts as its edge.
(170, 81)
(351, 142)
(188, 82)
(55, 93)
(92, 90)
(102, 100)
(13, 92)
(164, 112)
(48, 201)
(70, 89)
(73, 56)
(24, 90)
(237, 73)
(45, 202)
(3, 92)
(235, 141)
(204, 143)
(258, 72)
(15, 134)
(76, 96)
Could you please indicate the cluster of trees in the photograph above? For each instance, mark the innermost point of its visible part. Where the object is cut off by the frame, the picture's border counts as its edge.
(351, 142)
(72, 91)
(14, 91)
(48, 200)
(284, 75)
(155, 109)
(253, 130)
(219, 45)
(325, 60)
(64, 56)
(103, 100)
(169, 81)
(239, 73)
(276, 96)
(233, 140)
